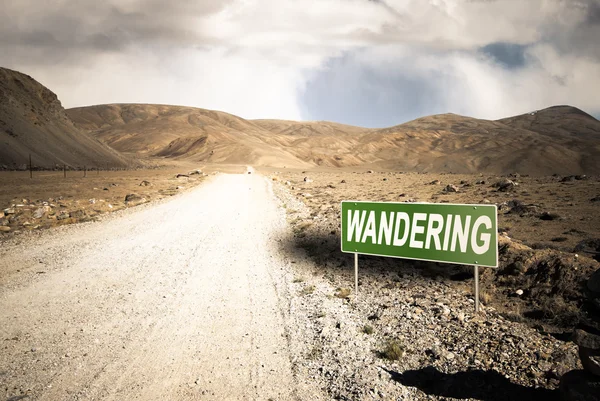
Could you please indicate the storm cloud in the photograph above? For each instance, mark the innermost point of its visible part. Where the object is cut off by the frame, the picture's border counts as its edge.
(369, 63)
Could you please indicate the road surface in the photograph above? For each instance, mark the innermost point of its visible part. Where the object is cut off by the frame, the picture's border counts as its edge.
(177, 300)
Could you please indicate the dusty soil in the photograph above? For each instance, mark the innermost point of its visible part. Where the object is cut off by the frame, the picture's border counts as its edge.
(184, 299)
(211, 295)
(549, 232)
(77, 198)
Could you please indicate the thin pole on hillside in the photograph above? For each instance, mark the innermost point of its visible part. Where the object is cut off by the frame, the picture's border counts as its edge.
(84, 171)
(65, 170)
(30, 167)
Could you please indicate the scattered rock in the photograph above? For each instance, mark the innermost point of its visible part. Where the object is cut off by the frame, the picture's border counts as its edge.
(450, 188)
(570, 178)
(9, 211)
(77, 214)
(591, 246)
(145, 183)
(515, 206)
(182, 175)
(134, 199)
(549, 216)
(195, 172)
(4, 229)
(586, 340)
(505, 185)
(369, 171)
(435, 182)
(40, 212)
(585, 385)
(306, 179)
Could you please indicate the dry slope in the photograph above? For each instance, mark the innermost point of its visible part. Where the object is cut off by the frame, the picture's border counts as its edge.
(182, 132)
(560, 139)
(33, 121)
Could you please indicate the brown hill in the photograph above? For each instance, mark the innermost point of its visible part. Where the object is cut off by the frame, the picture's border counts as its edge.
(560, 139)
(183, 133)
(33, 121)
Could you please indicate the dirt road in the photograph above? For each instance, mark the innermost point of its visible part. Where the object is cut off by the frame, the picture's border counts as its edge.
(179, 300)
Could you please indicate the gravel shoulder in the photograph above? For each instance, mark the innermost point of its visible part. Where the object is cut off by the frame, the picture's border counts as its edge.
(185, 299)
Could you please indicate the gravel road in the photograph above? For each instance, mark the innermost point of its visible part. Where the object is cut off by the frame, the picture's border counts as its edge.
(181, 299)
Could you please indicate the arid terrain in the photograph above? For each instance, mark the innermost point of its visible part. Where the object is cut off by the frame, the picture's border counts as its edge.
(411, 332)
(197, 255)
(561, 140)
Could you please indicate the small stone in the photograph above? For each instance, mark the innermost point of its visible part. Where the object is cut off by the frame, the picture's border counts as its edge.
(4, 229)
(450, 188)
(40, 212)
(519, 292)
(586, 339)
(505, 185)
(134, 199)
(77, 214)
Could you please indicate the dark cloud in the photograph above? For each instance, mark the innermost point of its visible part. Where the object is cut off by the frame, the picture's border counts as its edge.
(593, 13)
(84, 27)
(510, 55)
(350, 92)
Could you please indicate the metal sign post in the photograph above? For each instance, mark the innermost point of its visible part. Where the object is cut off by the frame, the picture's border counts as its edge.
(355, 275)
(476, 289)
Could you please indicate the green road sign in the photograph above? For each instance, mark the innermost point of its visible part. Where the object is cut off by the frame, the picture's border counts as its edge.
(438, 232)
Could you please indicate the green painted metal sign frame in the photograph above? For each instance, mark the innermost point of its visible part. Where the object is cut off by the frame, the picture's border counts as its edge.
(436, 232)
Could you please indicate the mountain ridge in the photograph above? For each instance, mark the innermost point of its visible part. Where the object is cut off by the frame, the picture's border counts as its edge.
(438, 143)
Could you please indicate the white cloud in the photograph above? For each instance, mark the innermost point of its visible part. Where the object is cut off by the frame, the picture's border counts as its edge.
(254, 58)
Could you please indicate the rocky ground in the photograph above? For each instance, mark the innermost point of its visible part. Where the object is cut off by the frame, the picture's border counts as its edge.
(411, 333)
(50, 200)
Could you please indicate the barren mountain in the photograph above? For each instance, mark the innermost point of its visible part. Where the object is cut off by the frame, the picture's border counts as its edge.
(183, 132)
(559, 139)
(33, 121)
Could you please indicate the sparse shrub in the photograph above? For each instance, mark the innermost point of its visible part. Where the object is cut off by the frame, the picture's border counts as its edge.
(485, 297)
(367, 329)
(298, 280)
(393, 350)
(343, 292)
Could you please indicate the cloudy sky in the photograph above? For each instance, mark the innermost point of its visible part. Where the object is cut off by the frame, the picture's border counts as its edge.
(371, 63)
